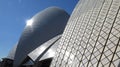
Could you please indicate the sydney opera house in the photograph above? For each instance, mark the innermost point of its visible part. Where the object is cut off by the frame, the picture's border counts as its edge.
(39, 40)
(89, 38)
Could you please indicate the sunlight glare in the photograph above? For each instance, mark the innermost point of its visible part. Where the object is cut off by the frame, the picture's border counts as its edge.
(29, 22)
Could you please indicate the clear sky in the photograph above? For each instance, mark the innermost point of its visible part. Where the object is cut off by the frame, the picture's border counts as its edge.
(14, 13)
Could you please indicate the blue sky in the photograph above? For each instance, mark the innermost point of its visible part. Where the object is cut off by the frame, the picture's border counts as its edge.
(14, 13)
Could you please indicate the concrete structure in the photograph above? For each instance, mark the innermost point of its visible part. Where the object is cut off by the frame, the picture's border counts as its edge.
(42, 31)
(38, 42)
(92, 36)
(46, 50)
(43, 54)
(90, 39)
(41, 28)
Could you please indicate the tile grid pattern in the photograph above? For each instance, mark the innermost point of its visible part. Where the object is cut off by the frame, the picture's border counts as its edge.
(91, 37)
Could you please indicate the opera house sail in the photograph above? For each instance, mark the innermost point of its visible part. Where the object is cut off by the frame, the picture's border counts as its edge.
(39, 39)
(42, 27)
(92, 36)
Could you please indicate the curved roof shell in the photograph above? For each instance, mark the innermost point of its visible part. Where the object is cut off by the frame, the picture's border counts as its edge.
(50, 53)
(45, 25)
(11, 54)
(46, 50)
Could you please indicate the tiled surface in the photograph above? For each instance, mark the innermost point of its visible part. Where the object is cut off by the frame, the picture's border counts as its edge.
(91, 37)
